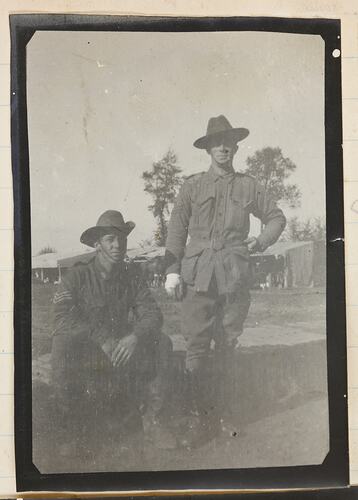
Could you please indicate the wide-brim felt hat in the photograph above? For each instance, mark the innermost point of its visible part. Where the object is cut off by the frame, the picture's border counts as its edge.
(218, 128)
(109, 222)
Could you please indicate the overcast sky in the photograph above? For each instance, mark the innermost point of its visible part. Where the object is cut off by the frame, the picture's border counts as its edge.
(103, 106)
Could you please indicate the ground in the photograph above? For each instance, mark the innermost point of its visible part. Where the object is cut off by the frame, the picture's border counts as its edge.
(282, 395)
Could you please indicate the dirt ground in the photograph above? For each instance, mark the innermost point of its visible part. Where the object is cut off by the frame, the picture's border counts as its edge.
(274, 307)
(293, 430)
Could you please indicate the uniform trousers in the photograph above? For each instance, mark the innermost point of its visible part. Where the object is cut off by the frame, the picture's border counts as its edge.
(211, 325)
(99, 401)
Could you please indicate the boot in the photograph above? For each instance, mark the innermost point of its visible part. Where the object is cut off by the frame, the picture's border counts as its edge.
(158, 433)
(200, 433)
(224, 370)
(206, 426)
(156, 417)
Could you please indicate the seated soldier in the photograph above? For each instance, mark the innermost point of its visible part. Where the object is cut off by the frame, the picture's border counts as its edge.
(107, 345)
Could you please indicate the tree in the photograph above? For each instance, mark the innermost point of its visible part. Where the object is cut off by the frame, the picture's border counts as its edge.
(306, 230)
(319, 228)
(272, 169)
(162, 182)
(47, 249)
(292, 230)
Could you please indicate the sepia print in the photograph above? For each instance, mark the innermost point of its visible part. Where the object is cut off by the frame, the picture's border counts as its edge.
(178, 227)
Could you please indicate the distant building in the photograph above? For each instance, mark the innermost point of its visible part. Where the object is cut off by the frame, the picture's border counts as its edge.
(74, 259)
(44, 268)
(49, 267)
(293, 264)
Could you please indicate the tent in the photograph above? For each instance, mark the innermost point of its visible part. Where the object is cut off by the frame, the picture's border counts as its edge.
(74, 258)
(49, 266)
(146, 253)
(304, 262)
(44, 267)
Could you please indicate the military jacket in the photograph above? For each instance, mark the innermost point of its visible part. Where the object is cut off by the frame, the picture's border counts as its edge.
(90, 303)
(214, 211)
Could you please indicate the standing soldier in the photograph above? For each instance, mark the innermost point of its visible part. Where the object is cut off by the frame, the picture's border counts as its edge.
(214, 208)
(107, 344)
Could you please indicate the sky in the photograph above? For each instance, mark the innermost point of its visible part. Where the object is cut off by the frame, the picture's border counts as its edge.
(103, 106)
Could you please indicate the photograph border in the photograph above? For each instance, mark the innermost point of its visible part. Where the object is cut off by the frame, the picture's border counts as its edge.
(334, 470)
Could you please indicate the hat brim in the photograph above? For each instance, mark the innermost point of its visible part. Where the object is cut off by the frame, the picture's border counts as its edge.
(92, 234)
(235, 134)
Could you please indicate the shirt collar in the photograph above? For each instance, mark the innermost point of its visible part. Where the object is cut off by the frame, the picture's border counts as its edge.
(104, 274)
(228, 175)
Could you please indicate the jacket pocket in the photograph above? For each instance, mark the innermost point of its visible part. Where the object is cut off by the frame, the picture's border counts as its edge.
(240, 210)
(203, 209)
(188, 269)
(194, 248)
(189, 263)
(237, 266)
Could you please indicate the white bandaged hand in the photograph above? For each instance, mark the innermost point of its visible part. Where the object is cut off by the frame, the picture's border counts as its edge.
(172, 283)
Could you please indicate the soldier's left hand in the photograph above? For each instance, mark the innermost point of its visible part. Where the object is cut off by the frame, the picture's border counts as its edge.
(124, 350)
(252, 244)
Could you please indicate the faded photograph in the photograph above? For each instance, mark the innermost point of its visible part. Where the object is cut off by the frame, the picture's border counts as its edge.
(178, 228)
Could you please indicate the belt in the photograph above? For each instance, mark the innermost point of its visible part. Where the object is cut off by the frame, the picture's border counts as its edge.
(217, 244)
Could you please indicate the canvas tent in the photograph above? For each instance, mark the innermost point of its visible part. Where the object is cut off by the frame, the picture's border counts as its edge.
(146, 253)
(77, 257)
(74, 258)
(304, 262)
(52, 266)
(44, 267)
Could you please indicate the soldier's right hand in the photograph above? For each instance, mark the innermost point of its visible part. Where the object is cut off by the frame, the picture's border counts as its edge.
(124, 350)
(109, 346)
(173, 284)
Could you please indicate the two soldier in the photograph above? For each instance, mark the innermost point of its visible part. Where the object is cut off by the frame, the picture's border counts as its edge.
(108, 337)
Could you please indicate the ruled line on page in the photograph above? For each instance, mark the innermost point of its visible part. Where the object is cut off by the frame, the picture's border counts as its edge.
(349, 76)
(4, 476)
(7, 465)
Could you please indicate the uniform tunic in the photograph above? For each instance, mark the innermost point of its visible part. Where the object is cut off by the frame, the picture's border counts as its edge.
(214, 212)
(92, 310)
